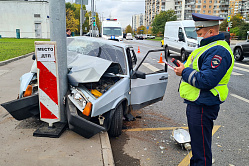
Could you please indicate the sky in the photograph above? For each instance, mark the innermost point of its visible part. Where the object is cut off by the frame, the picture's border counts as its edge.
(123, 10)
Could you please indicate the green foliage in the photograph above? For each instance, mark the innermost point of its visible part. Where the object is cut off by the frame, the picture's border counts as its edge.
(223, 25)
(160, 20)
(128, 29)
(71, 22)
(11, 48)
(239, 27)
(141, 30)
(237, 21)
(70, 6)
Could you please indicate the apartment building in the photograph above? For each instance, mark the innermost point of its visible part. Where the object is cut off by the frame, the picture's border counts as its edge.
(138, 20)
(239, 6)
(154, 7)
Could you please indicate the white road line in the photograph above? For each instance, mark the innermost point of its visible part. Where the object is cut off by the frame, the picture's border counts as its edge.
(236, 74)
(239, 97)
(241, 65)
(149, 66)
(238, 68)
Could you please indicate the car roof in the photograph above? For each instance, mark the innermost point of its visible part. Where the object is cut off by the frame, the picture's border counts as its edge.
(97, 39)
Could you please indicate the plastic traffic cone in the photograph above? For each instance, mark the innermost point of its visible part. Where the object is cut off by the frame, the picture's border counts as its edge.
(138, 50)
(161, 59)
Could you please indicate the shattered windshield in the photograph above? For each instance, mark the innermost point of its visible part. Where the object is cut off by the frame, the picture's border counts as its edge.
(75, 47)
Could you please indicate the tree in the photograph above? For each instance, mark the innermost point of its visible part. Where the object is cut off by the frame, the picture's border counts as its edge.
(237, 20)
(150, 30)
(70, 6)
(223, 25)
(160, 20)
(128, 29)
(71, 22)
(141, 30)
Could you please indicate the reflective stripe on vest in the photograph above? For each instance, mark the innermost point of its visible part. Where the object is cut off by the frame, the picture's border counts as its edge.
(191, 93)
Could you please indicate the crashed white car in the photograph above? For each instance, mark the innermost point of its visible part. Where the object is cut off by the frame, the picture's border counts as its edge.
(105, 84)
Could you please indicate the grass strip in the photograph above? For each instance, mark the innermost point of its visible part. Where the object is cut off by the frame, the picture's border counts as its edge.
(11, 47)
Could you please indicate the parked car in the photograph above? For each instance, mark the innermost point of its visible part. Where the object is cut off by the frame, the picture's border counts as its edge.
(180, 38)
(149, 36)
(139, 37)
(241, 50)
(129, 36)
(103, 77)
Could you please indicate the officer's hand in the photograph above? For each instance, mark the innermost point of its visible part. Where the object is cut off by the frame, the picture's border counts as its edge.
(178, 70)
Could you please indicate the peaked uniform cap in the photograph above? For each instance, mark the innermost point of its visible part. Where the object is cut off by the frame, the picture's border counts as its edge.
(203, 20)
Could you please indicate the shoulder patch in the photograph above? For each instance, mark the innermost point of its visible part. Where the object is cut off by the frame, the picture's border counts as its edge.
(216, 60)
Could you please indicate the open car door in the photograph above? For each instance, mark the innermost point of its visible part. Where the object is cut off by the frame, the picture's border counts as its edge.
(149, 86)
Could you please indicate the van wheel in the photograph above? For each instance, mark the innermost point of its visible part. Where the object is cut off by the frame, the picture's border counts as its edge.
(238, 54)
(116, 122)
(167, 51)
(183, 55)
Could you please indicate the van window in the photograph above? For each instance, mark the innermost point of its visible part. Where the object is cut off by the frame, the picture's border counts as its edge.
(190, 33)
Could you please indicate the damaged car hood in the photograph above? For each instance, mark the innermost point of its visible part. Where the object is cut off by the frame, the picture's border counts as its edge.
(85, 69)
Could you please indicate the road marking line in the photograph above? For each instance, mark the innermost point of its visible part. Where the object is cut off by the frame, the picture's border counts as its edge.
(155, 129)
(236, 74)
(238, 68)
(239, 97)
(186, 160)
(149, 66)
(241, 64)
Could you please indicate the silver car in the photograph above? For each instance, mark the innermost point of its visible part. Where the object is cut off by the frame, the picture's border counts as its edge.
(105, 84)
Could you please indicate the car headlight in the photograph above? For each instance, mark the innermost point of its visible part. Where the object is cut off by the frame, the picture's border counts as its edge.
(190, 44)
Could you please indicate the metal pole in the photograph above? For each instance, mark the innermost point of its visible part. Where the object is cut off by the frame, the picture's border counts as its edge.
(92, 7)
(81, 18)
(183, 9)
(58, 33)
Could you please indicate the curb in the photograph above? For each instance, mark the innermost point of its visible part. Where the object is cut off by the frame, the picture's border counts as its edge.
(106, 149)
(15, 59)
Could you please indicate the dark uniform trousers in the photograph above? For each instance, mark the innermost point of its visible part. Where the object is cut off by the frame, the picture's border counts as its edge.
(200, 123)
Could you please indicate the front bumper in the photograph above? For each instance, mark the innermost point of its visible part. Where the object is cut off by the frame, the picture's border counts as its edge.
(23, 108)
(80, 125)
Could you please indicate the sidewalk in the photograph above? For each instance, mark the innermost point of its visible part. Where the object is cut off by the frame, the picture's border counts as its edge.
(19, 147)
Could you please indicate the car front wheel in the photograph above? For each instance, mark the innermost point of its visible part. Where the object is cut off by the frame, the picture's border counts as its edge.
(183, 55)
(238, 54)
(116, 122)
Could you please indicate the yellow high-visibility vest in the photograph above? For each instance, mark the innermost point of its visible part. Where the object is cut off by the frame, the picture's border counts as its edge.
(192, 93)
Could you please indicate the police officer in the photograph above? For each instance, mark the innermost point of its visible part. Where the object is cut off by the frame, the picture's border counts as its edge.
(205, 76)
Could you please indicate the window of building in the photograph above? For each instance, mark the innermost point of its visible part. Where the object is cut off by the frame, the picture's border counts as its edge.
(210, 1)
(203, 11)
(204, 6)
(209, 11)
(214, 11)
(199, 6)
(37, 15)
(210, 6)
(204, 1)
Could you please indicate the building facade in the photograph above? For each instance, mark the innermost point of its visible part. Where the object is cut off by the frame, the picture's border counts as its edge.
(154, 7)
(138, 20)
(31, 18)
(239, 7)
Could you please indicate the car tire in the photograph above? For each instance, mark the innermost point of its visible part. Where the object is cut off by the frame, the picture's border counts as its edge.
(167, 51)
(238, 54)
(183, 55)
(116, 122)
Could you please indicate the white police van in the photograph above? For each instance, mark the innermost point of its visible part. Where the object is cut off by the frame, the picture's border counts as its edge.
(180, 38)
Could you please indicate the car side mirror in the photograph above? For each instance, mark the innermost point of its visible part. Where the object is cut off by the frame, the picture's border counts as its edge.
(138, 74)
(33, 57)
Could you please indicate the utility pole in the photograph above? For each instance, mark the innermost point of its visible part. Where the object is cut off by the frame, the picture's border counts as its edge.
(58, 33)
(183, 9)
(81, 13)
